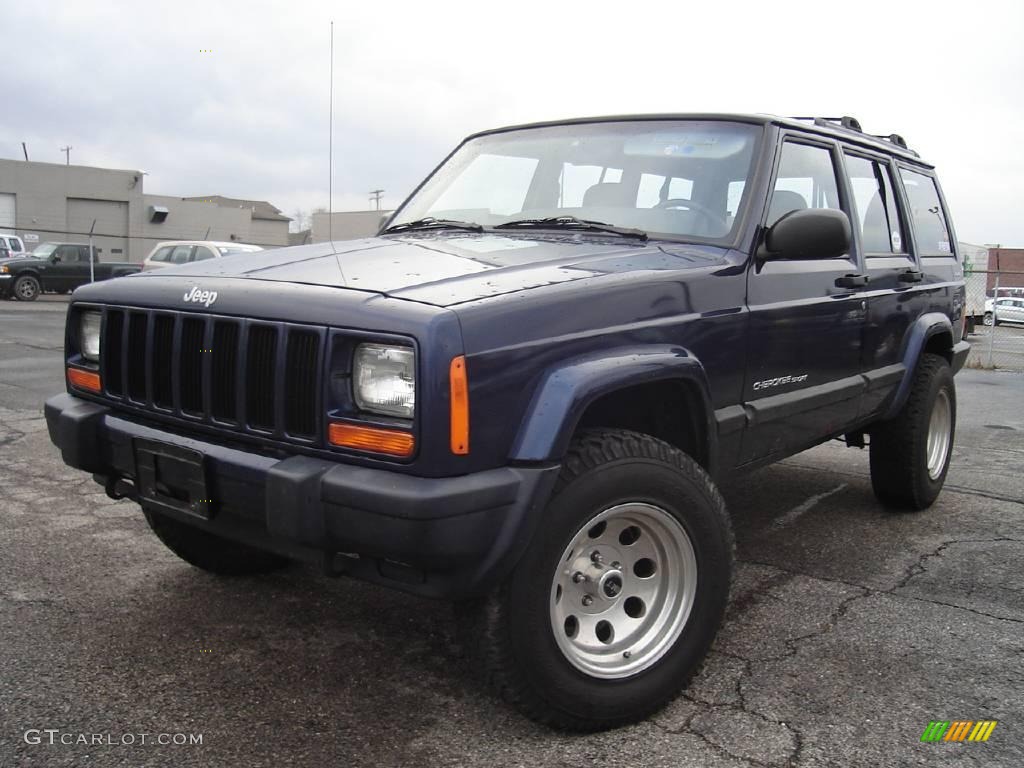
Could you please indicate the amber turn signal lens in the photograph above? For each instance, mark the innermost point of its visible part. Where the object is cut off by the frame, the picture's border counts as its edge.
(89, 380)
(389, 441)
(459, 405)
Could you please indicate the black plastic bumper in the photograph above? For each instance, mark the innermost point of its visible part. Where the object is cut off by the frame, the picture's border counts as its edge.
(960, 352)
(452, 537)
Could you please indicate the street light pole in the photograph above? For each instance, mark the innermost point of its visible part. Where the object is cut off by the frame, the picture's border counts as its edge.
(67, 154)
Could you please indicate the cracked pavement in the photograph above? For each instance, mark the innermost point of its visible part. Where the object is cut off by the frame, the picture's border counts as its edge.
(849, 628)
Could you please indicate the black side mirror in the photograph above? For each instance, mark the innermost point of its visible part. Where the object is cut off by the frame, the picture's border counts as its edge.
(55, 258)
(815, 233)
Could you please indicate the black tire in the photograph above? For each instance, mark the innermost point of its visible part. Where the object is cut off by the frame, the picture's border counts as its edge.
(211, 553)
(900, 473)
(26, 288)
(512, 631)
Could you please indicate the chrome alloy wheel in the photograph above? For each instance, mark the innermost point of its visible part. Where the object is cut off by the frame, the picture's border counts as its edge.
(623, 590)
(940, 428)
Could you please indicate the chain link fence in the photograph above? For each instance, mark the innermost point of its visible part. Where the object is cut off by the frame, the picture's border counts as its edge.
(995, 319)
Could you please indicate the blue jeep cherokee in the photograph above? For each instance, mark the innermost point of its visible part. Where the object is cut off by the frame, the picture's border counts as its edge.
(521, 394)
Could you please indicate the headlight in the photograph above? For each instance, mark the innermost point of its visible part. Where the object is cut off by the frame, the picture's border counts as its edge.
(5, 269)
(89, 335)
(385, 379)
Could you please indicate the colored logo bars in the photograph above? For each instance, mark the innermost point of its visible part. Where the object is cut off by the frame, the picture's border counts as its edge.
(958, 730)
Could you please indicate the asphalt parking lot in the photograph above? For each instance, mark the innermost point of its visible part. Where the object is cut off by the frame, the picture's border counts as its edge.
(849, 630)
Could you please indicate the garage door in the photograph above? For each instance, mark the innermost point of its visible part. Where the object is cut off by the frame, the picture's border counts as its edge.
(7, 211)
(111, 232)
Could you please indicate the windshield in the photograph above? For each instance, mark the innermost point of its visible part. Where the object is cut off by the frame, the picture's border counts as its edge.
(44, 250)
(678, 179)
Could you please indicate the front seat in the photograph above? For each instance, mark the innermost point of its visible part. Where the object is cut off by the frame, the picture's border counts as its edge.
(784, 201)
(608, 194)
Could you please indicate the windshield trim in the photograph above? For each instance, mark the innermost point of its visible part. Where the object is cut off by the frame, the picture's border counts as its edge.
(740, 232)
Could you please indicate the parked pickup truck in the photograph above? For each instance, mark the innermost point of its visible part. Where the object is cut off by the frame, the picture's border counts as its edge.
(525, 393)
(57, 267)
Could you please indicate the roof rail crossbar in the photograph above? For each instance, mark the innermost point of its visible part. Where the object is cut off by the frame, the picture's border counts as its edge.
(847, 122)
(894, 138)
(853, 124)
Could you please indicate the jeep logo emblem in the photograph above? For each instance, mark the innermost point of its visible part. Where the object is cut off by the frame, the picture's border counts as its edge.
(206, 298)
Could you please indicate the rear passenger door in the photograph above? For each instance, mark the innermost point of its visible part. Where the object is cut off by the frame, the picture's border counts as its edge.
(896, 295)
(807, 319)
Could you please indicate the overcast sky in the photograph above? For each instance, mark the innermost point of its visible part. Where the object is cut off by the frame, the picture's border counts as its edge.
(129, 85)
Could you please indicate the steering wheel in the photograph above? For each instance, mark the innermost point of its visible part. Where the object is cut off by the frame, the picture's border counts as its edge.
(681, 202)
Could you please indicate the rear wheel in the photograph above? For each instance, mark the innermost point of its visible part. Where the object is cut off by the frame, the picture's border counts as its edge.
(26, 288)
(211, 553)
(990, 319)
(619, 595)
(910, 454)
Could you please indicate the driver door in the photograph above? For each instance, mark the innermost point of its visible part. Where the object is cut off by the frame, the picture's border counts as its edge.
(807, 319)
(62, 272)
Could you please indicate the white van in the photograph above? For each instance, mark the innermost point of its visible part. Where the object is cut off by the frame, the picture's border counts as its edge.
(11, 246)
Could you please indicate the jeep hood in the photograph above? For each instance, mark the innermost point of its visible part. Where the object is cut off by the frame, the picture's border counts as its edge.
(450, 268)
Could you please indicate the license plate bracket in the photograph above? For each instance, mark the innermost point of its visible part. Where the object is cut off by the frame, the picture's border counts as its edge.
(172, 477)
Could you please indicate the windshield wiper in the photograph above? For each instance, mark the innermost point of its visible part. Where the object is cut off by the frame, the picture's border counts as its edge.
(571, 222)
(431, 222)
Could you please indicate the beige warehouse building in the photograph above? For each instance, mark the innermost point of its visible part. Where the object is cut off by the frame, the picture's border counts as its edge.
(44, 202)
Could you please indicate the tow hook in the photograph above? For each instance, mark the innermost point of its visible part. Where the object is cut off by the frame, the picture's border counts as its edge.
(119, 488)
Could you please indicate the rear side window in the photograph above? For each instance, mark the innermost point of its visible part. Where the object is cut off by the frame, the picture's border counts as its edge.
(15, 244)
(180, 254)
(930, 228)
(875, 205)
(806, 179)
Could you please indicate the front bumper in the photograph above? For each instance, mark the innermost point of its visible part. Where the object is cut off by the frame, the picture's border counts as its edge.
(960, 352)
(453, 537)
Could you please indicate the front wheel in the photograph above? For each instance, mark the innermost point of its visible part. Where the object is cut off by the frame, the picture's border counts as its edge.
(621, 591)
(26, 288)
(910, 454)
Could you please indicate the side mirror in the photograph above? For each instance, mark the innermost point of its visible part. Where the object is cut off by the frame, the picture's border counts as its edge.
(815, 233)
(55, 258)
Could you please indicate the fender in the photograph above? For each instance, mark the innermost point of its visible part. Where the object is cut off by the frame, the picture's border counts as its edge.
(924, 328)
(565, 392)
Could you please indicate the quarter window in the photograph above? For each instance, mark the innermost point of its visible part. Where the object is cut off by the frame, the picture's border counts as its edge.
(202, 254)
(931, 231)
(876, 211)
(806, 179)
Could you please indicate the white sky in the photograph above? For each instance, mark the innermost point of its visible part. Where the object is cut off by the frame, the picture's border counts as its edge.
(126, 84)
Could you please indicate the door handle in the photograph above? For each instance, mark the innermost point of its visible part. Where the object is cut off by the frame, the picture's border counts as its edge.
(911, 276)
(851, 281)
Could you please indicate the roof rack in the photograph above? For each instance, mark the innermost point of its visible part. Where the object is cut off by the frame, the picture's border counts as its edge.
(853, 124)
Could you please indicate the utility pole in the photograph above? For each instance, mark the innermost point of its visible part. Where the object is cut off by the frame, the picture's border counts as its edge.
(67, 154)
(330, 149)
(375, 195)
(25, 150)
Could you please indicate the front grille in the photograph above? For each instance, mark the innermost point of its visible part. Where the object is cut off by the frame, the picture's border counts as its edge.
(242, 375)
